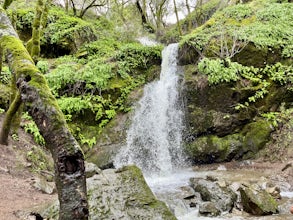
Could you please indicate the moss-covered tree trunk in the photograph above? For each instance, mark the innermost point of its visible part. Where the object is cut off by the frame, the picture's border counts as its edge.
(177, 18)
(16, 117)
(1, 59)
(33, 45)
(42, 106)
(6, 126)
(7, 3)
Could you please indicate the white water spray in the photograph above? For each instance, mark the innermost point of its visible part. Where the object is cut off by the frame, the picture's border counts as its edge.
(155, 135)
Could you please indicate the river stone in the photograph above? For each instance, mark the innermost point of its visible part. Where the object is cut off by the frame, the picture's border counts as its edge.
(91, 169)
(223, 197)
(258, 201)
(120, 194)
(209, 209)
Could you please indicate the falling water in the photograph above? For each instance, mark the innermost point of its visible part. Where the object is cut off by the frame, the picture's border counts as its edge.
(154, 137)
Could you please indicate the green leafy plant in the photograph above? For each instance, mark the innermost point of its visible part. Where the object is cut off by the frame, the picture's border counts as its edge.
(43, 66)
(136, 56)
(266, 25)
(86, 142)
(258, 80)
(272, 117)
(15, 137)
(30, 127)
(63, 28)
(5, 75)
(74, 105)
(238, 12)
(23, 17)
(218, 70)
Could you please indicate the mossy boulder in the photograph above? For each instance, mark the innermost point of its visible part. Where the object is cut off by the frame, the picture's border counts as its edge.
(258, 201)
(210, 149)
(244, 144)
(62, 35)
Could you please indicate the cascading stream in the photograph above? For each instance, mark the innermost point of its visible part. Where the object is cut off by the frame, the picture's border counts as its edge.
(154, 137)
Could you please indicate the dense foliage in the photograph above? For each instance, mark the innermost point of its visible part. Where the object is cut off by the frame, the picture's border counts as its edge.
(266, 24)
(95, 66)
(98, 61)
(94, 88)
(249, 47)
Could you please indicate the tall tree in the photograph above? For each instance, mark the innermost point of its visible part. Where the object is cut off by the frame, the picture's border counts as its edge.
(177, 18)
(66, 4)
(1, 59)
(42, 106)
(158, 10)
(7, 3)
(119, 7)
(142, 9)
(189, 27)
(12, 122)
(39, 23)
(84, 5)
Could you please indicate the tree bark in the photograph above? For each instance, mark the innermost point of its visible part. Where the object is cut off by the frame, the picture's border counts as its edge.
(14, 106)
(7, 3)
(188, 13)
(33, 45)
(1, 59)
(90, 5)
(144, 20)
(34, 92)
(177, 18)
(14, 124)
(73, 7)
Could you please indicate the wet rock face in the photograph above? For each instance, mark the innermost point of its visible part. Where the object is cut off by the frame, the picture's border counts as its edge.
(243, 144)
(216, 131)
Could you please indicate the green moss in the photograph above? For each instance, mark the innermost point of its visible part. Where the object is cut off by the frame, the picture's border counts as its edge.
(144, 196)
(4, 95)
(24, 67)
(256, 134)
(245, 144)
(258, 202)
(211, 148)
(265, 26)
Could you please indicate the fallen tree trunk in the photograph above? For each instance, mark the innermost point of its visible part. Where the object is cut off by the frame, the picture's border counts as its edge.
(42, 106)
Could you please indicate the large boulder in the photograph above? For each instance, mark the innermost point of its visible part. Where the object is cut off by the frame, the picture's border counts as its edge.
(221, 199)
(258, 201)
(124, 194)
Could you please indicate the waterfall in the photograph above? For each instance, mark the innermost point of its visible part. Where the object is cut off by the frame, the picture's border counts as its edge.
(154, 137)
